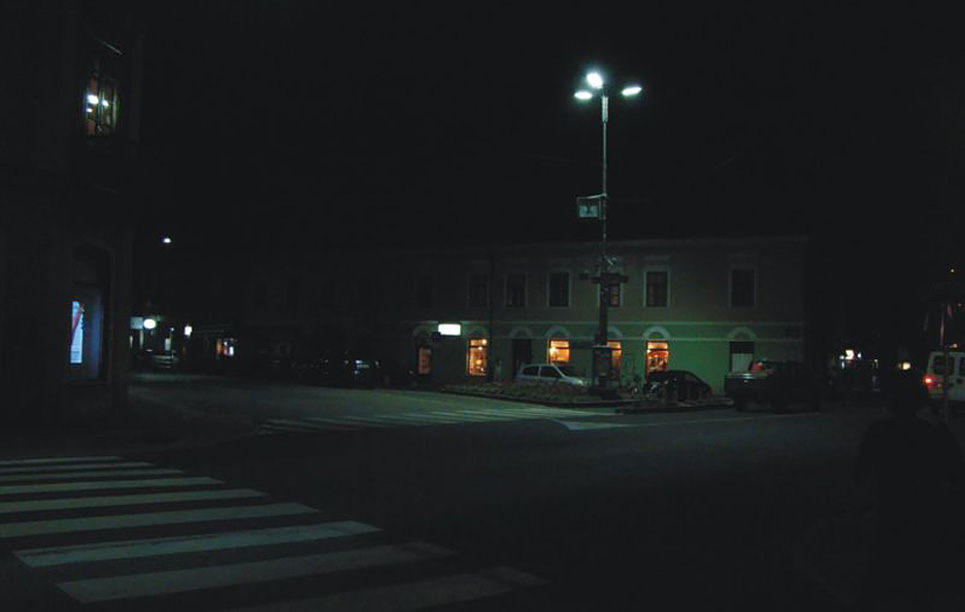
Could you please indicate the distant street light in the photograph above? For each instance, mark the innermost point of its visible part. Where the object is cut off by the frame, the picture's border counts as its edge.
(596, 82)
(166, 240)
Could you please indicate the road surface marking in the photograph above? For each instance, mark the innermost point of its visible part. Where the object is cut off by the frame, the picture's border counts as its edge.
(134, 549)
(75, 503)
(99, 485)
(411, 596)
(94, 523)
(74, 467)
(589, 425)
(54, 460)
(179, 581)
(83, 475)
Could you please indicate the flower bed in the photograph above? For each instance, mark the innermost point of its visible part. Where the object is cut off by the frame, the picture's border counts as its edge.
(566, 394)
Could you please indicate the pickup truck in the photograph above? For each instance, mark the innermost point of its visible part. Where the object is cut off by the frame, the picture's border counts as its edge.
(777, 383)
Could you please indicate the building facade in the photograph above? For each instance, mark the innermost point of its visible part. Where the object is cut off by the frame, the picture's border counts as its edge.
(67, 154)
(476, 314)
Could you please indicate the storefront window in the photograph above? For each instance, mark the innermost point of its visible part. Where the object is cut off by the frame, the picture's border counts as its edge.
(559, 351)
(616, 356)
(658, 356)
(88, 314)
(476, 356)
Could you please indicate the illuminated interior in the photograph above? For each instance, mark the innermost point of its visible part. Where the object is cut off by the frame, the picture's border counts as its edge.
(477, 356)
(559, 351)
(616, 355)
(658, 356)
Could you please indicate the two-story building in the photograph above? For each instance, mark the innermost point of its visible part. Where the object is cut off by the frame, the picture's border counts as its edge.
(479, 313)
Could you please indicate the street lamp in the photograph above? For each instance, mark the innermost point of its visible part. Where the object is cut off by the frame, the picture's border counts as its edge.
(598, 87)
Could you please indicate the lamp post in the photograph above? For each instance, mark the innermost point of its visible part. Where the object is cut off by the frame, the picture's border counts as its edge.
(601, 370)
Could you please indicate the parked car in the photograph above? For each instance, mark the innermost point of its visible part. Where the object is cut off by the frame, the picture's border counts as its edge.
(934, 378)
(777, 383)
(157, 360)
(342, 370)
(675, 386)
(550, 373)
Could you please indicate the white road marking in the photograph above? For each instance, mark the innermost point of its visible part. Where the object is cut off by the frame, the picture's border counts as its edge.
(75, 503)
(411, 596)
(83, 475)
(179, 581)
(134, 549)
(54, 460)
(94, 523)
(100, 485)
(74, 466)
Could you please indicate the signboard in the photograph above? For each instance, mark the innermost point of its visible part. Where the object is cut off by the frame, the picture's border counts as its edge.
(590, 207)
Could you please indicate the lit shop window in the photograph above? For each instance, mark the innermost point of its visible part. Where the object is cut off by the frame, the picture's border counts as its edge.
(225, 348)
(88, 304)
(616, 356)
(559, 351)
(477, 356)
(658, 356)
(424, 359)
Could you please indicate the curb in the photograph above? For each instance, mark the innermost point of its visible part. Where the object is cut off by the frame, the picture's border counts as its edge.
(552, 403)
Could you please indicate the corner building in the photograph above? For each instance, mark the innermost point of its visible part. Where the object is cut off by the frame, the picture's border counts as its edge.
(704, 305)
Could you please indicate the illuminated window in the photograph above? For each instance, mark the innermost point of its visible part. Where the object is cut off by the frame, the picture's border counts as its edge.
(616, 355)
(225, 348)
(658, 356)
(89, 316)
(100, 97)
(558, 351)
(424, 361)
(476, 356)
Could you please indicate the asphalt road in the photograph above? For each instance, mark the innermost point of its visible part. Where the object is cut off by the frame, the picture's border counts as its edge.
(462, 503)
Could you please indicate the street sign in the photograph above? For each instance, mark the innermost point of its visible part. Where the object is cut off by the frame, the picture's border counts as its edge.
(590, 207)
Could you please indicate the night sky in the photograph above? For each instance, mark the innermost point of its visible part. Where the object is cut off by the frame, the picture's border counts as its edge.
(269, 125)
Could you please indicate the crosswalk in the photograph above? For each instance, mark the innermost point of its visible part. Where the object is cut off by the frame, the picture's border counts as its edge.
(453, 416)
(109, 532)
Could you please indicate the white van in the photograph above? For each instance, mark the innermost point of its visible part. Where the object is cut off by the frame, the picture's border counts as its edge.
(551, 374)
(956, 376)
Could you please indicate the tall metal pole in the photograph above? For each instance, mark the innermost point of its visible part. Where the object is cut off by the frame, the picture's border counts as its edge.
(604, 266)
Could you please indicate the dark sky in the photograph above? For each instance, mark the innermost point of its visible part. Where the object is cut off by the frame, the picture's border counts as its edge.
(297, 123)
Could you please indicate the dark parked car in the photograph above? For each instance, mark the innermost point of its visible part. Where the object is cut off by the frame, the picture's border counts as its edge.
(342, 371)
(157, 360)
(777, 383)
(675, 386)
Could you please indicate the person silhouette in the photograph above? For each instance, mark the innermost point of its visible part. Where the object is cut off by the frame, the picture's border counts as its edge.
(916, 472)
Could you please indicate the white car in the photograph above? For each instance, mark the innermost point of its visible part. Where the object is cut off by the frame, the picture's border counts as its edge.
(934, 376)
(550, 373)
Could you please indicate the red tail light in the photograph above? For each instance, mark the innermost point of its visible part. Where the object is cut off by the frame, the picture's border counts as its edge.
(929, 381)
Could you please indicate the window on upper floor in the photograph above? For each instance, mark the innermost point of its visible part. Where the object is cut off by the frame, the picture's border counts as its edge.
(614, 294)
(656, 289)
(742, 287)
(478, 290)
(101, 98)
(516, 290)
(559, 289)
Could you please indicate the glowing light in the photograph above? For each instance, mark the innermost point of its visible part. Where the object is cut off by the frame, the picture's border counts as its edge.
(166, 240)
(188, 331)
(631, 90)
(104, 103)
(450, 329)
(92, 99)
(150, 324)
(595, 80)
(583, 95)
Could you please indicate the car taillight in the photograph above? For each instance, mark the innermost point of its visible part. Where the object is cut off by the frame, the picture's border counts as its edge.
(929, 381)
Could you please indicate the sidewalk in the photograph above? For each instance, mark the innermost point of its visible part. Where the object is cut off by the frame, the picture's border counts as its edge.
(146, 427)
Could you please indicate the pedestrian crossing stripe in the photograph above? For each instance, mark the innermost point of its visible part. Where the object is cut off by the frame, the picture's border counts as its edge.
(88, 539)
(33, 476)
(21, 469)
(432, 417)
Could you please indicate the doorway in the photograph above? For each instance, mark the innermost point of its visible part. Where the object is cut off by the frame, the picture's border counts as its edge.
(522, 354)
